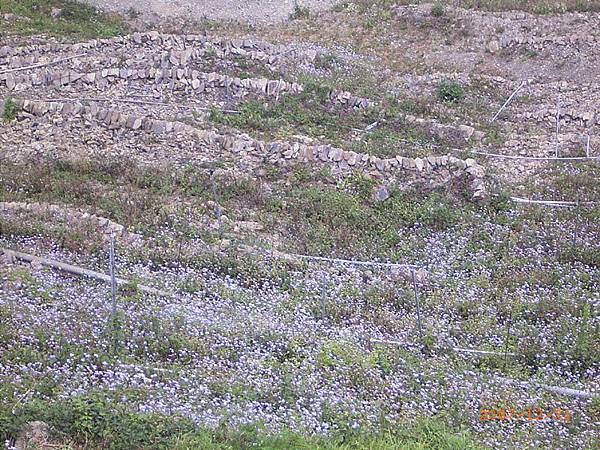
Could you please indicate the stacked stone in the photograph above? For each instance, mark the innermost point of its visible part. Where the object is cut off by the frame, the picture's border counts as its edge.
(198, 81)
(439, 169)
(183, 48)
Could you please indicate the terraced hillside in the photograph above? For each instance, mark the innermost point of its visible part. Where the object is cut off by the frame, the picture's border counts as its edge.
(366, 227)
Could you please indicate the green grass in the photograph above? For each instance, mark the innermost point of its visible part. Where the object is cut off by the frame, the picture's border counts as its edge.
(95, 421)
(311, 114)
(75, 21)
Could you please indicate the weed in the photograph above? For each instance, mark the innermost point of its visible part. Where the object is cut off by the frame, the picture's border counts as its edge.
(450, 92)
(300, 12)
(10, 110)
(438, 10)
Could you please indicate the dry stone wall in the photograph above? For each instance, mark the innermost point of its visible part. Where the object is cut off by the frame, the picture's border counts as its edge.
(165, 57)
(432, 170)
(198, 81)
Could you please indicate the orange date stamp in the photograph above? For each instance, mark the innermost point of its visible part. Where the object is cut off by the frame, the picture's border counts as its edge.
(526, 414)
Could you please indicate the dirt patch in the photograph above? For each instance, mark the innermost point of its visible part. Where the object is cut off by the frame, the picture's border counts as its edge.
(252, 11)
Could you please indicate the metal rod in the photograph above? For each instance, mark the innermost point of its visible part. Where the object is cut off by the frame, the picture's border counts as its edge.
(557, 123)
(480, 352)
(36, 66)
(508, 101)
(508, 324)
(68, 268)
(113, 291)
(113, 279)
(216, 200)
(536, 158)
(551, 202)
(414, 280)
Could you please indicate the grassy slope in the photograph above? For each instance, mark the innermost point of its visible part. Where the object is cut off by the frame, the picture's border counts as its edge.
(75, 21)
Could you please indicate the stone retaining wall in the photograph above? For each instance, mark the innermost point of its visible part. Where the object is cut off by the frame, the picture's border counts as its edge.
(432, 170)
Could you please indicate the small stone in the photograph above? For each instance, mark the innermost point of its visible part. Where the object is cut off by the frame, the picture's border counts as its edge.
(381, 194)
(10, 82)
(335, 154)
(493, 46)
(466, 131)
(351, 158)
(55, 13)
(419, 164)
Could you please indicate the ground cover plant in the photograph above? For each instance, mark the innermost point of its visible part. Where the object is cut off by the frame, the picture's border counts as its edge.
(286, 315)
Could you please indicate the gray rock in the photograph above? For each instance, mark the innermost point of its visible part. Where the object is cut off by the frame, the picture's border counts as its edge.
(493, 46)
(419, 164)
(381, 194)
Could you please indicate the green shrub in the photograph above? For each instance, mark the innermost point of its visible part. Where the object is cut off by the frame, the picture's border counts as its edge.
(450, 92)
(300, 12)
(438, 10)
(10, 110)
